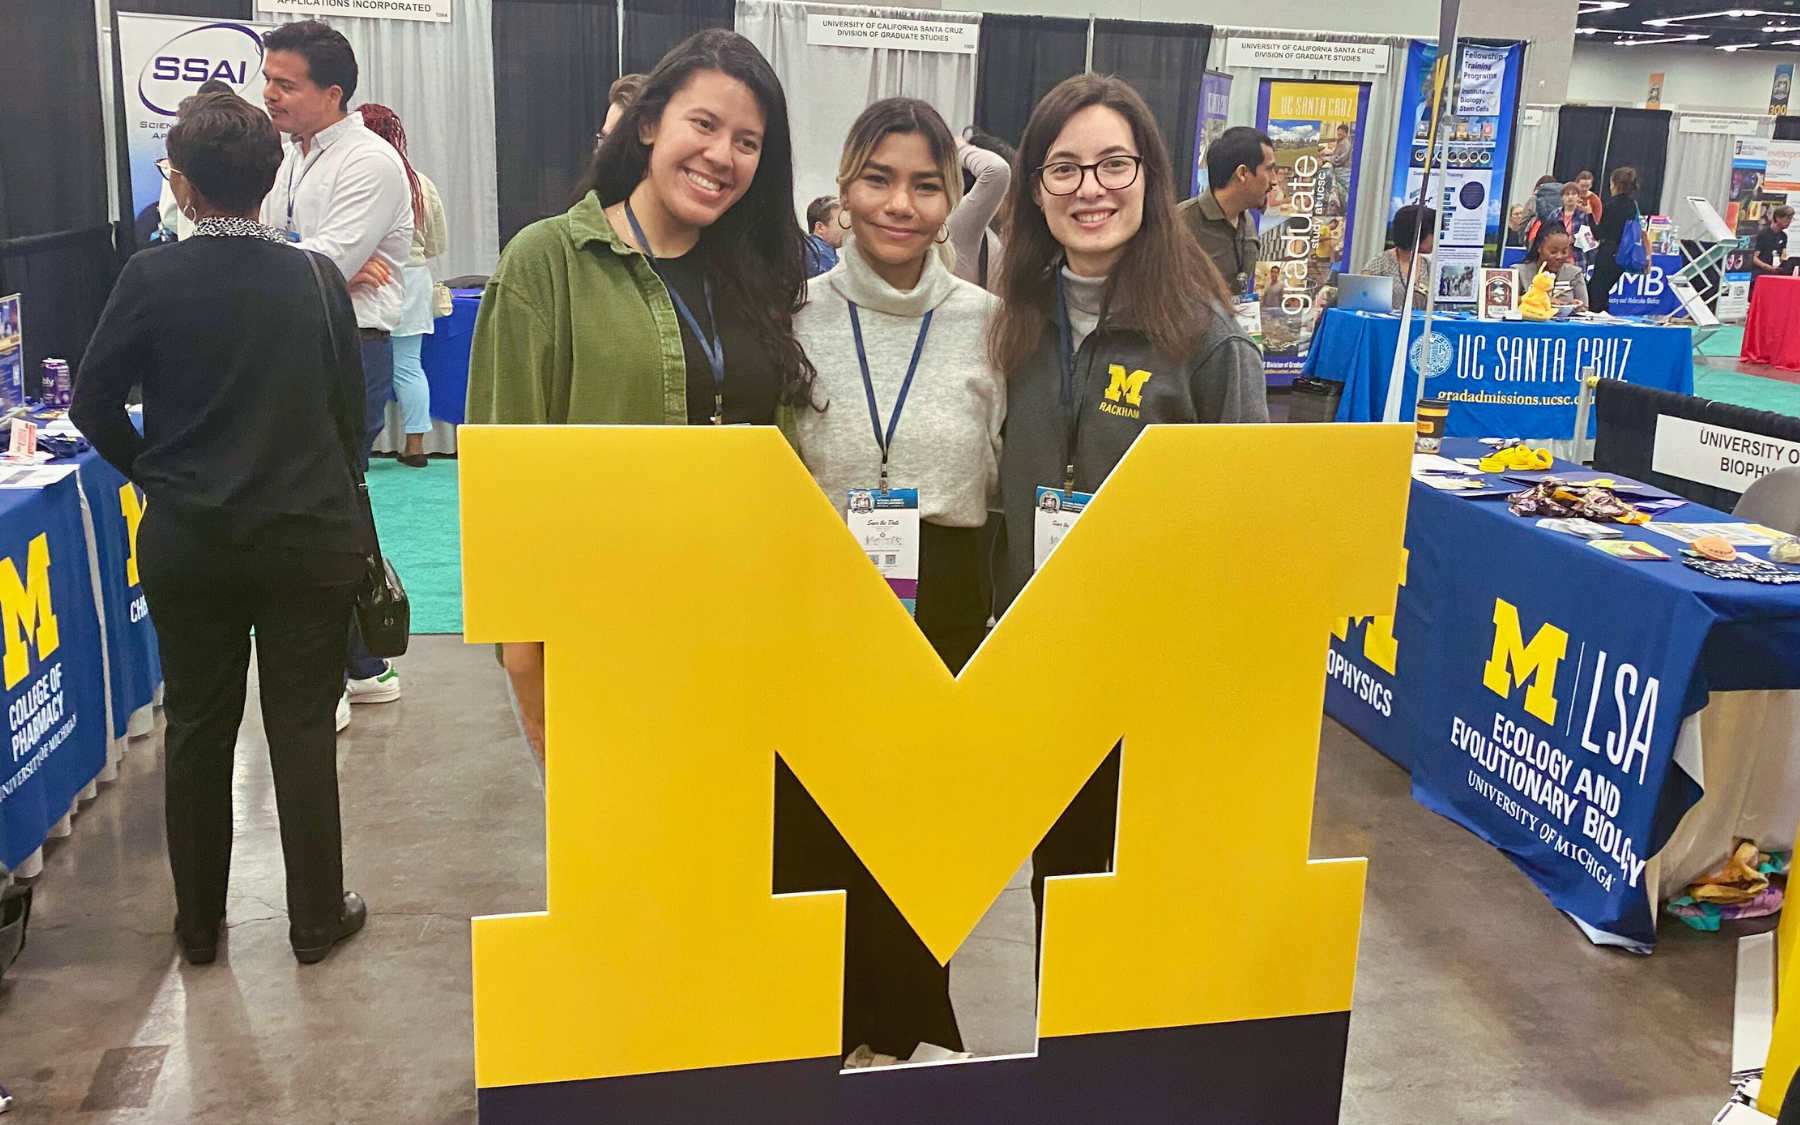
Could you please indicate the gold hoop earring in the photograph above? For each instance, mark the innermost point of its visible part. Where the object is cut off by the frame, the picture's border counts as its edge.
(843, 218)
(945, 231)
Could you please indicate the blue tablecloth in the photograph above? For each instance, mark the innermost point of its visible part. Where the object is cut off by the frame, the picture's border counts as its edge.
(1534, 687)
(131, 654)
(445, 357)
(50, 669)
(1504, 378)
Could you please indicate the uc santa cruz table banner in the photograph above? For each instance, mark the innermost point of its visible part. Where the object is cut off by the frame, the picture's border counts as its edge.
(1536, 699)
(49, 664)
(1503, 378)
(117, 506)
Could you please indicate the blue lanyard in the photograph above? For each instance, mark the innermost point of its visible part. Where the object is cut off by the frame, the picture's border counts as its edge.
(711, 345)
(862, 356)
(1065, 348)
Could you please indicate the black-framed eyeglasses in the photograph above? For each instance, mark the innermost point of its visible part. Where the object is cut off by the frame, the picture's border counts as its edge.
(1114, 173)
(163, 166)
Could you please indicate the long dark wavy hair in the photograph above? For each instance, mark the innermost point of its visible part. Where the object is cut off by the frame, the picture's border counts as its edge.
(1162, 283)
(755, 253)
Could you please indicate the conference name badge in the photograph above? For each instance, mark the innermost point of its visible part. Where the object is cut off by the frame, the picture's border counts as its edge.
(1248, 313)
(886, 525)
(1056, 512)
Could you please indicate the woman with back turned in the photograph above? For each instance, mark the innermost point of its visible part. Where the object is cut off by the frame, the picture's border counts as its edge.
(246, 349)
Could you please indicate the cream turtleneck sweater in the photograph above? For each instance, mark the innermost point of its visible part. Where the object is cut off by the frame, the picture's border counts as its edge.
(948, 442)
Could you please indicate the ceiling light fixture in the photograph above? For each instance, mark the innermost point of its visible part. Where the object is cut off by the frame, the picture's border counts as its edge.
(1588, 6)
(1661, 39)
(1734, 46)
(1733, 13)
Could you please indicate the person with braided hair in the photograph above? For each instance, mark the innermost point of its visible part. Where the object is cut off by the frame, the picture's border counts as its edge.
(429, 240)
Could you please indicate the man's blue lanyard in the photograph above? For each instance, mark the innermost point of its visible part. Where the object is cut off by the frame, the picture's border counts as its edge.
(886, 443)
(711, 345)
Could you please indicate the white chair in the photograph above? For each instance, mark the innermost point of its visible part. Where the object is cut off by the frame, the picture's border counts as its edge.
(1773, 501)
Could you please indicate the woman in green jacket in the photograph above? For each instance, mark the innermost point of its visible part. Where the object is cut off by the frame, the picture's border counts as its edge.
(686, 263)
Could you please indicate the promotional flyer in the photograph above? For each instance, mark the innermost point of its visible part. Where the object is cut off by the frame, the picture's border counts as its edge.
(163, 59)
(1215, 106)
(1476, 128)
(1745, 205)
(1317, 129)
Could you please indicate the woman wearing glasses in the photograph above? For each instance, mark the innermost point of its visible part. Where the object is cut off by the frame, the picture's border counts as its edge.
(904, 399)
(1112, 320)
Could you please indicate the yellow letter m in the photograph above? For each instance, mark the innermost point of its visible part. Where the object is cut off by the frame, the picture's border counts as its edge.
(26, 616)
(1131, 386)
(1536, 661)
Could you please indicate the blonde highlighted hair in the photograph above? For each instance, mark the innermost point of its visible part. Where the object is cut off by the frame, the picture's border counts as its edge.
(905, 115)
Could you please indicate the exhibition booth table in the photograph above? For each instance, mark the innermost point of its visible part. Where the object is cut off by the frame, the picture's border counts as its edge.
(1546, 695)
(1772, 332)
(77, 650)
(1503, 378)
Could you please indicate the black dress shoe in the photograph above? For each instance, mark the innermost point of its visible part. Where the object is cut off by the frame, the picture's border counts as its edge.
(200, 947)
(311, 946)
(414, 460)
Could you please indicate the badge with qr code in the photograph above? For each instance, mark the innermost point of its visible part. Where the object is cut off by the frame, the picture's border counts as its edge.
(886, 525)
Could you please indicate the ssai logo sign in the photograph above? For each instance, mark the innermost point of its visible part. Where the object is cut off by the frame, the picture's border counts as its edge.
(229, 52)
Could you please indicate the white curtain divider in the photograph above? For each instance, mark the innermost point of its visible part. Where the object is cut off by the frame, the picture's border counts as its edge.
(1534, 154)
(827, 87)
(1375, 177)
(1700, 164)
(440, 79)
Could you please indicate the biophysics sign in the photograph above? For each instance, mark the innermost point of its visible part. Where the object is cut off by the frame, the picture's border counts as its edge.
(164, 59)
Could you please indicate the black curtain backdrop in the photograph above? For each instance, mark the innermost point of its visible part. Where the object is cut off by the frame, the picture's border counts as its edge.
(53, 140)
(1020, 59)
(1787, 128)
(1640, 139)
(244, 10)
(1581, 142)
(553, 63)
(652, 27)
(1164, 61)
(63, 281)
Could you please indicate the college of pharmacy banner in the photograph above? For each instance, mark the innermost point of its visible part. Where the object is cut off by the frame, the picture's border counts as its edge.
(1476, 127)
(1215, 105)
(116, 506)
(163, 59)
(1537, 704)
(1317, 128)
(50, 675)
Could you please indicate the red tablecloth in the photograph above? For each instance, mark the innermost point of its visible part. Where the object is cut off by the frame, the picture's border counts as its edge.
(1772, 333)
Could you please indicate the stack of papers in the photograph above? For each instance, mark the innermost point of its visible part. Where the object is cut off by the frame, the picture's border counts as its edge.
(1736, 534)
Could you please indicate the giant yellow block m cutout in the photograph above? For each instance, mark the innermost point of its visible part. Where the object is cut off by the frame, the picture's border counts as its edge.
(704, 610)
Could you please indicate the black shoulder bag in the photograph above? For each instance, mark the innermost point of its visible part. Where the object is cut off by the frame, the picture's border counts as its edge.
(382, 611)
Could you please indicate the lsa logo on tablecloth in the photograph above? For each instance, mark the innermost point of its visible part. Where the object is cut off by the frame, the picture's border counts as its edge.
(27, 618)
(1533, 763)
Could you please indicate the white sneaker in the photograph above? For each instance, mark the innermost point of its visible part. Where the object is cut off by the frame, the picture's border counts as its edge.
(343, 711)
(383, 688)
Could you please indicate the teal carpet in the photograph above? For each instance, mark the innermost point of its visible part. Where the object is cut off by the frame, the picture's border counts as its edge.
(1752, 391)
(1727, 341)
(416, 514)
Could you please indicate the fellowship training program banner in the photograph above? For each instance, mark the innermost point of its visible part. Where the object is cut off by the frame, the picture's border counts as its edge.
(1215, 107)
(1476, 126)
(1317, 128)
(163, 59)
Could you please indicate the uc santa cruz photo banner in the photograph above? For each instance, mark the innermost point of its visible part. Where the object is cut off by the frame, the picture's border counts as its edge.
(49, 664)
(1317, 130)
(1538, 711)
(163, 59)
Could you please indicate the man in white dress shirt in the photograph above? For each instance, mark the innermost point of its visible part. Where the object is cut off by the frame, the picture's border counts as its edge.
(342, 191)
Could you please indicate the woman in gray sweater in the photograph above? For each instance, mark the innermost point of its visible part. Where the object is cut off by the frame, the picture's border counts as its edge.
(904, 400)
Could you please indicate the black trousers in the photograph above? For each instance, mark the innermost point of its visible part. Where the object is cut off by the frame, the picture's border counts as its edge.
(1081, 840)
(205, 599)
(896, 995)
(1606, 275)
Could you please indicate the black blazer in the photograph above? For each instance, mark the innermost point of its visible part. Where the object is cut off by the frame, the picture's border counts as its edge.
(253, 427)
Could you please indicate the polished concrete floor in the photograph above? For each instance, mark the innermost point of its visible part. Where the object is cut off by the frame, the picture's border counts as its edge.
(1475, 1001)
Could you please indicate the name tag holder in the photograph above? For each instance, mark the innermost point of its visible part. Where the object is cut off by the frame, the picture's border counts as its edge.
(885, 523)
(1053, 516)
